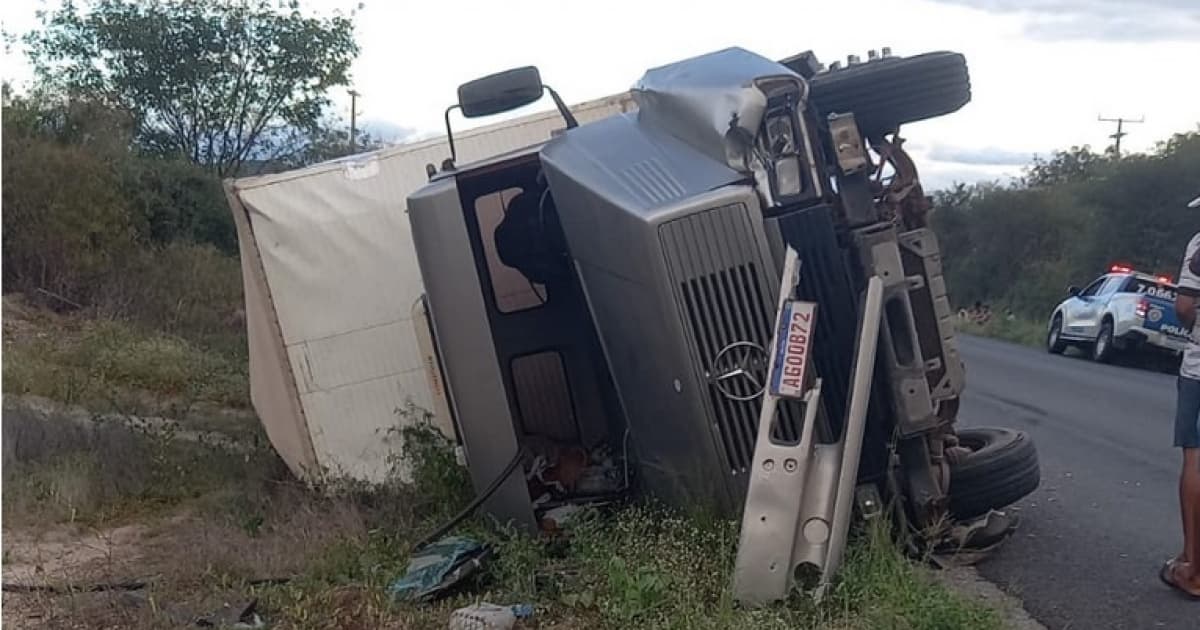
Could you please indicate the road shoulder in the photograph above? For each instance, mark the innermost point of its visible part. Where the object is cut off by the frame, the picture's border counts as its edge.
(967, 582)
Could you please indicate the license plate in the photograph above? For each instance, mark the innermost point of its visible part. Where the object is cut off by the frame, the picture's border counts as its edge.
(793, 345)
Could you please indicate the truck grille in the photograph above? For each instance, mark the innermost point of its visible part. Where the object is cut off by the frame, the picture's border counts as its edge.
(725, 299)
(827, 278)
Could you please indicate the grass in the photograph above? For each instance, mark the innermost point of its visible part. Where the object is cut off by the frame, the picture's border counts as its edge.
(211, 517)
(58, 469)
(641, 566)
(1018, 330)
(220, 520)
(883, 589)
(113, 365)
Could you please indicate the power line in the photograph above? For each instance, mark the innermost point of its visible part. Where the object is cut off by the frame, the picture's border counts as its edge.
(1120, 133)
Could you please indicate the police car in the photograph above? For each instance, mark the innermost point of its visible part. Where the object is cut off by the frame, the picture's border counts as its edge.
(1123, 309)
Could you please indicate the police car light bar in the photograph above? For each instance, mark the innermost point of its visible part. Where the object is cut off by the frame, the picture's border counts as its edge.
(1119, 268)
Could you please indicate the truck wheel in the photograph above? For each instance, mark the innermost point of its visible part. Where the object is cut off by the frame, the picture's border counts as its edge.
(886, 93)
(1001, 470)
(1054, 340)
(1102, 350)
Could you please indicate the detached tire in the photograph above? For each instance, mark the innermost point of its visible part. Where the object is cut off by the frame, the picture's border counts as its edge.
(1001, 470)
(886, 93)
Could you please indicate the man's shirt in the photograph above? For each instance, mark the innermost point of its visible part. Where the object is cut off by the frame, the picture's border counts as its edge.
(1189, 284)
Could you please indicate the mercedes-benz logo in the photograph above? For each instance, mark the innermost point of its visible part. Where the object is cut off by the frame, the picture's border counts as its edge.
(739, 371)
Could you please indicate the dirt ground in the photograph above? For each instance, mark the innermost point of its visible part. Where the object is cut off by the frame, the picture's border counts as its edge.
(167, 569)
(64, 555)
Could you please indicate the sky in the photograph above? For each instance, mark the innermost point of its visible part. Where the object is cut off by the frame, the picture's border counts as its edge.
(1042, 71)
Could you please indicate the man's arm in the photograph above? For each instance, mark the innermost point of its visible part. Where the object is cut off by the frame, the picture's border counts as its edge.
(1188, 293)
(1185, 308)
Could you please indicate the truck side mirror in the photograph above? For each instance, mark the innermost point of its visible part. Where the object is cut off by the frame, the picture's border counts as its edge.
(500, 92)
(1073, 291)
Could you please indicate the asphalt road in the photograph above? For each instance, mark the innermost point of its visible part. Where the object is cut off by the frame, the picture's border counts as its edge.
(1107, 513)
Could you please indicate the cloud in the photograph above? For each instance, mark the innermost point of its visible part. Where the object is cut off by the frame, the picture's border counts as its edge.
(388, 131)
(1100, 20)
(939, 175)
(987, 156)
(946, 179)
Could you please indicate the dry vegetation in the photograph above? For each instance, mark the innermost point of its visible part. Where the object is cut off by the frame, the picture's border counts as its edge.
(149, 472)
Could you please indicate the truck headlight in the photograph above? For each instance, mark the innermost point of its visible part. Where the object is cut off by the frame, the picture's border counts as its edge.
(781, 137)
(789, 179)
(783, 156)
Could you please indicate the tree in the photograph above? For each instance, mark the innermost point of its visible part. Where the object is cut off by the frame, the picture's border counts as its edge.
(1066, 222)
(65, 219)
(217, 82)
(175, 200)
(87, 198)
(1074, 165)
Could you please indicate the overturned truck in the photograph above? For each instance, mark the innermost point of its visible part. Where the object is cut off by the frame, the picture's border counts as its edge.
(604, 305)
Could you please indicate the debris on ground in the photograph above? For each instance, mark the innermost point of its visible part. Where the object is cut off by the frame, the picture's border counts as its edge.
(600, 478)
(438, 567)
(967, 543)
(485, 616)
(565, 478)
(555, 518)
(244, 616)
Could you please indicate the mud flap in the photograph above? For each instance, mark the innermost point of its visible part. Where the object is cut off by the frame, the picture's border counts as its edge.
(800, 496)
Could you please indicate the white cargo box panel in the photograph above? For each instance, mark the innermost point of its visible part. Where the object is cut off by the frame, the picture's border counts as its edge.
(331, 284)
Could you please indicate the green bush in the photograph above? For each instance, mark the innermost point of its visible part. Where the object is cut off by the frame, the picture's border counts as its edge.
(177, 201)
(66, 225)
(90, 223)
(1018, 247)
(182, 289)
(1017, 330)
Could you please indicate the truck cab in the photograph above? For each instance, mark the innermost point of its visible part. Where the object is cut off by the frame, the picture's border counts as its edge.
(605, 301)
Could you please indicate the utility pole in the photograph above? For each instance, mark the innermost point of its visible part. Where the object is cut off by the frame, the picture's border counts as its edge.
(1120, 130)
(353, 118)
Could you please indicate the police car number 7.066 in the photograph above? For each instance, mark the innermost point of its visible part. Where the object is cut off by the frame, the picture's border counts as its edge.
(1157, 292)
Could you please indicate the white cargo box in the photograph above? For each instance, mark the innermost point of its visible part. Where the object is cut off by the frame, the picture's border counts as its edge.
(332, 287)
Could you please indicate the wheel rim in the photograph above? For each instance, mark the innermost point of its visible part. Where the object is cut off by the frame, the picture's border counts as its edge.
(1055, 331)
(972, 444)
(1102, 342)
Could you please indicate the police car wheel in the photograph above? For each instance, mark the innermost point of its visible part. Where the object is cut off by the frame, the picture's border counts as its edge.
(1102, 349)
(1054, 340)
(886, 93)
(1001, 470)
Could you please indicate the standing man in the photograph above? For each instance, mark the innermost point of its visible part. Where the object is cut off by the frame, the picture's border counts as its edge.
(1183, 572)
